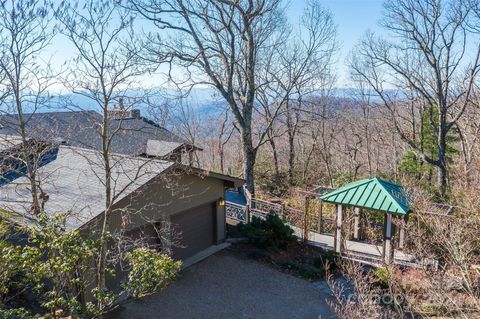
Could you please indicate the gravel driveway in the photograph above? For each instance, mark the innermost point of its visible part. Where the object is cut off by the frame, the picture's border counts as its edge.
(229, 286)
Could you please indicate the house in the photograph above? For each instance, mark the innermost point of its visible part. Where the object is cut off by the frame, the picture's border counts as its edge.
(157, 200)
(150, 195)
(132, 134)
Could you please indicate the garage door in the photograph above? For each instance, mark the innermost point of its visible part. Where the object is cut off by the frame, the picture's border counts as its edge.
(195, 229)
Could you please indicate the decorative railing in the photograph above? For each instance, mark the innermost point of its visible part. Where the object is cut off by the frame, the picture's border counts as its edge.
(294, 217)
(236, 212)
(316, 219)
(261, 208)
(325, 226)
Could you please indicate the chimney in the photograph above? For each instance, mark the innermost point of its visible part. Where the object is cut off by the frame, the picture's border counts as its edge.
(120, 104)
(119, 112)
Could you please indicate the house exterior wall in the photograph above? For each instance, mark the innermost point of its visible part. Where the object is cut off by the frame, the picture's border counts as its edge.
(157, 201)
(166, 195)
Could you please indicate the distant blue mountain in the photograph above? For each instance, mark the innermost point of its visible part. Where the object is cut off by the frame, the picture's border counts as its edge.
(204, 101)
(201, 99)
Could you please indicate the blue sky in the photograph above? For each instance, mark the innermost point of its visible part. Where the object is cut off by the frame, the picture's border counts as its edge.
(352, 17)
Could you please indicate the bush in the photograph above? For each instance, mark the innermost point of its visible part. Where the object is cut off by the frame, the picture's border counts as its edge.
(19, 313)
(268, 233)
(383, 274)
(305, 270)
(54, 270)
(150, 271)
(328, 258)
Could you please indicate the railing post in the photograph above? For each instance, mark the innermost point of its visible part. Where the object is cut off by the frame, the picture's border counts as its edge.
(320, 217)
(306, 229)
(248, 197)
(338, 230)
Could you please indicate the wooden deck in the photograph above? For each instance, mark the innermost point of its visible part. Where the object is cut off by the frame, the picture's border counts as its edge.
(364, 253)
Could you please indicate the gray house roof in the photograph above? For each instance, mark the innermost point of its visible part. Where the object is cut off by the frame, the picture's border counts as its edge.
(9, 141)
(82, 129)
(74, 184)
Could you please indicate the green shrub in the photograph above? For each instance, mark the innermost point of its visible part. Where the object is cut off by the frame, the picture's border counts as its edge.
(268, 233)
(18, 313)
(383, 274)
(56, 267)
(305, 270)
(433, 309)
(150, 271)
(329, 257)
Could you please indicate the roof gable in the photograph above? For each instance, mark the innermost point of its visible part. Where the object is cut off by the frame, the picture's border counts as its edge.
(373, 193)
(74, 184)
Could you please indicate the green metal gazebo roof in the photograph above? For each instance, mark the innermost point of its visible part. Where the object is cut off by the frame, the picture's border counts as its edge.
(373, 193)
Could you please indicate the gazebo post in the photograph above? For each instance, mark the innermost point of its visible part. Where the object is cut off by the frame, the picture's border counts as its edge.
(338, 230)
(387, 242)
(401, 235)
(356, 223)
(401, 238)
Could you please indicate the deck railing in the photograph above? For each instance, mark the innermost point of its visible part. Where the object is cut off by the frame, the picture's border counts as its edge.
(236, 212)
(260, 208)
(320, 224)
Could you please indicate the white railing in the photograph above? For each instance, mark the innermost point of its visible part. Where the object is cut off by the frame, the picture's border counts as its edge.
(236, 212)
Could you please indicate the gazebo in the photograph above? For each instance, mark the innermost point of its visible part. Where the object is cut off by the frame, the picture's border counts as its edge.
(373, 194)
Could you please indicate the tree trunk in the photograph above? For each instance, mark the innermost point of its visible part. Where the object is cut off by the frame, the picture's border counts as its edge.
(29, 155)
(102, 259)
(442, 164)
(222, 160)
(275, 156)
(291, 158)
(249, 154)
(291, 144)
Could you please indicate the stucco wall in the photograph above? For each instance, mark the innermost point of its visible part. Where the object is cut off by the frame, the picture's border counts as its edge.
(164, 196)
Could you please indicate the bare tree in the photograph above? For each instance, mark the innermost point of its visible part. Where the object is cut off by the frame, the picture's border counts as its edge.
(469, 133)
(220, 43)
(25, 32)
(322, 128)
(224, 135)
(428, 59)
(308, 64)
(186, 122)
(105, 70)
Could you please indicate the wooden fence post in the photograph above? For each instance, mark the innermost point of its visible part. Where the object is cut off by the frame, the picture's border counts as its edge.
(306, 228)
(320, 217)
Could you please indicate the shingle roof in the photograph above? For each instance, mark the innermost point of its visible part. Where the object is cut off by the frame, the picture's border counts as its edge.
(161, 148)
(74, 183)
(82, 129)
(373, 193)
(9, 141)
